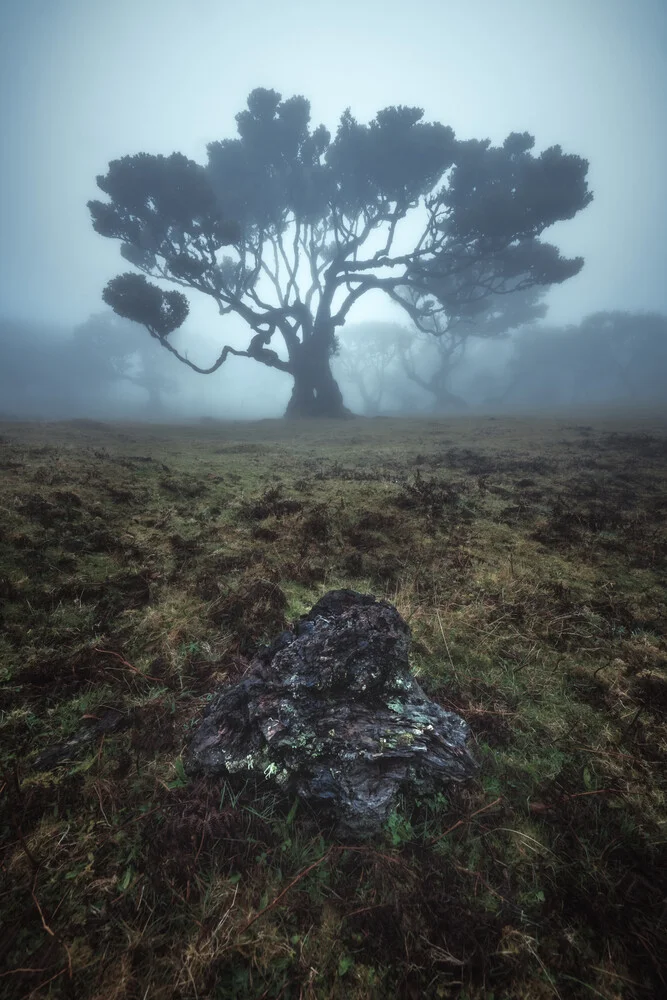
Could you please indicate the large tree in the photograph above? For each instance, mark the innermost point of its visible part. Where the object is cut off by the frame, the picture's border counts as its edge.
(315, 222)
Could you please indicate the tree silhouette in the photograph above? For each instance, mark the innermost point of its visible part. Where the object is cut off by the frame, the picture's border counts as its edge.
(609, 356)
(430, 358)
(315, 222)
(368, 353)
(108, 345)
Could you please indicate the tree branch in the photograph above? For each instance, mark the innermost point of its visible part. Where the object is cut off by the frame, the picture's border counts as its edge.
(269, 358)
(366, 283)
(292, 269)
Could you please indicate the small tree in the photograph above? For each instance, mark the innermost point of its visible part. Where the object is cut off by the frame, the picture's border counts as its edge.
(315, 223)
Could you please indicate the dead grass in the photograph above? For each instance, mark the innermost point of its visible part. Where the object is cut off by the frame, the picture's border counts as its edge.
(140, 567)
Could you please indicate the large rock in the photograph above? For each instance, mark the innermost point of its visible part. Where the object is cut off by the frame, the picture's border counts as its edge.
(332, 712)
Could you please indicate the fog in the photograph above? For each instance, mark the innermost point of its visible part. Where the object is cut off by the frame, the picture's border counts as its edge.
(85, 83)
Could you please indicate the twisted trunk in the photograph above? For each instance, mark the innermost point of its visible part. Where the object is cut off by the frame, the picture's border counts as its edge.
(316, 392)
(448, 402)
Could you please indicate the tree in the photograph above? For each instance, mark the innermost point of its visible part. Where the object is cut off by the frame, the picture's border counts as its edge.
(607, 356)
(430, 358)
(107, 347)
(31, 368)
(300, 209)
(621, 355)
(367, 353)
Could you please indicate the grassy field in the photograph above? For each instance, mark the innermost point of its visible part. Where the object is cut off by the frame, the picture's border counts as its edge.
(140, 566)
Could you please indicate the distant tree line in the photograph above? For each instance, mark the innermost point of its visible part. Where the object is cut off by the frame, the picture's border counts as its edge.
(58, 373)
(382, 367)
(609, 357)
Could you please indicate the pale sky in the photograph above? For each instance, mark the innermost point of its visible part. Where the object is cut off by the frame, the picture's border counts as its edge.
(87, 81)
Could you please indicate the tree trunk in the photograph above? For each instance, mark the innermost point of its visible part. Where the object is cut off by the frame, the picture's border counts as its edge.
(154, 404)
(448, 402)
(371, 403)
(316, 392)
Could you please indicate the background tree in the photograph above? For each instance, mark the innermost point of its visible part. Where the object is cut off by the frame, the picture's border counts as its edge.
(318, 223)
(620, 355)
(429, 359)
(30, 382)
(368, 353)
(108, 345)
(59, 373)
(609, 356)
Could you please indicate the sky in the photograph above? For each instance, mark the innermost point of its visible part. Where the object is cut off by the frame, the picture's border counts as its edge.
(87, 81)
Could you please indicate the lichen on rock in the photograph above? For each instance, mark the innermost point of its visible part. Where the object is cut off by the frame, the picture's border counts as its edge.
(331, 711)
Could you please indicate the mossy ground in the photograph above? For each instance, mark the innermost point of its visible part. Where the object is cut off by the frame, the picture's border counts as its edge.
(139, 566)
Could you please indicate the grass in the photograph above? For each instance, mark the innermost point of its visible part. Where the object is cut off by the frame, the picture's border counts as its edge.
(140, 567)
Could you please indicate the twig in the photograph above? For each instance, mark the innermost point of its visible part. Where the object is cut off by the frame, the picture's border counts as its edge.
(364, 909)
(99, 796)
(467, 819)
(45, 983)
(44, 923)
(201, 844)
(135, 670)
(34, 864)
(69, 958)
(377, 854)
(545, 806)
(617, 975)
(630, 724)
(609, 753)
(280, 895)
(12, 972)
(544, 970)
(134, 819)
(185, 903)
(599, 791)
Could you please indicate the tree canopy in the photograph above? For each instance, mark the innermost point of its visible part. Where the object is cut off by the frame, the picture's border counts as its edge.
(609, 355)
(288, 227)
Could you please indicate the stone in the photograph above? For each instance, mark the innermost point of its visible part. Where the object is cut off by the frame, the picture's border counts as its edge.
(331, 712)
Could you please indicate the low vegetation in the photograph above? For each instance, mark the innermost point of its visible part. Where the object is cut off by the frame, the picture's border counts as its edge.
(139, 569)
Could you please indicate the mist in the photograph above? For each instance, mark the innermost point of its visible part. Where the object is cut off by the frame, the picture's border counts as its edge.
(84, 85)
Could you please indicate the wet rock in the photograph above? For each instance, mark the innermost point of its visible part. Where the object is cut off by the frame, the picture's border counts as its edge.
(330, 711)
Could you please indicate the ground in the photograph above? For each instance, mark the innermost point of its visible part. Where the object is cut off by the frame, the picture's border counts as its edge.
(139, 568)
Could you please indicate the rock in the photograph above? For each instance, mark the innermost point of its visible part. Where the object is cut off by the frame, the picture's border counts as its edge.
(330, 711)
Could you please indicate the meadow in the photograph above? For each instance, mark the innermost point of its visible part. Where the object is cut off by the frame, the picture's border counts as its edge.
(141, 565)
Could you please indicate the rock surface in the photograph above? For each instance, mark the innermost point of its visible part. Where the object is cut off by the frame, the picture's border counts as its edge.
(332, 713)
